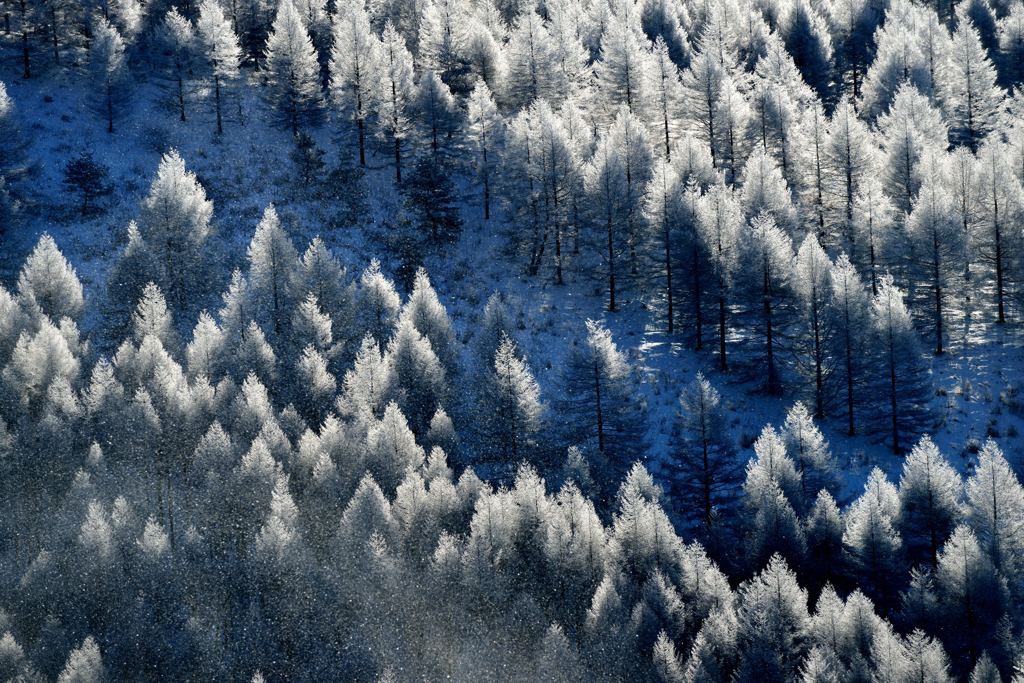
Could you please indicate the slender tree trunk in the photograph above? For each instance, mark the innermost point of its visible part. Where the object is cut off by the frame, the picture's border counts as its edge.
(668, 275)
(851, 428)
(938, 299)
(110, 108)
(487, 186)
(819, 403)
(398, 160)
(892, 398)
(558, 238)
(361, 124)
(181, 97)
(611, 264)
(1001, 315)
(600, 412)
(769, 335)
(216, 89)
(26, 70)
(723, 362)
(53, 34)
(697, 310)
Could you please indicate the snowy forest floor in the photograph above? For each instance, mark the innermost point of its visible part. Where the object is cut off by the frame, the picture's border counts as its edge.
(978, 394)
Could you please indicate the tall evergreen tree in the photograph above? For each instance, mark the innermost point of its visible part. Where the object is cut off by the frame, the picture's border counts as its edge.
(292, 71)
(719, 221)
(220, 49)
(107, 64)
(600, 403)
(175, 223)
(902, 376)
(395, 99)
(511, 408)
(708, 469)
(968, 89)
(355, 56)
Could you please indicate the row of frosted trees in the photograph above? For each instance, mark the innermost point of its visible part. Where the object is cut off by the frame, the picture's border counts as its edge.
(284, 494)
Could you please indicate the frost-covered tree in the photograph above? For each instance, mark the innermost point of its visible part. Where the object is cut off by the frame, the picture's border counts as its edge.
(425, 312)
(968, 88)
(420, 385)
(436, 116)
(901, 375)
(872, 542)
(719, 222)
(622, 70)
(910, 128)
(292, 71)
(599, 401)
(175, 224)
(873, 216)
(772, 619)
(152, 319)
(808, 448)
(354, 66)
(615, 180)
(901, 55)
(107, 65)
(709, 471)
(531, 72)
(378, 303)
(1011, 46)
(443, 40)
(765, 191)
(970, 592)
(84, 664)
(511, 411)
(813, 288)
(367, 383)
(48, 284)
(765, 289)
(179, 38)
(808, 41)
(849, 157)
(998, 203)
(220, 50)
(395, 99)
(484, 129)
(849, 312)
(772, 489)
(937, 247)
(273, 263)
(995, 501)
(930, 491)
(666, 95)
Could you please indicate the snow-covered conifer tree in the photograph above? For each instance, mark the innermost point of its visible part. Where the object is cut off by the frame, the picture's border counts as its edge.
(292, 71)
(709, 471)
(179, 35)
(355, 70)
(902, 376)
(48, 284)
(484, 129)
(968, 88)
(175, 223)
(930, 491)
(107, 64)
(601, 408)
(273, 263)
(220, 50)
(395, 101)
(511, 411)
